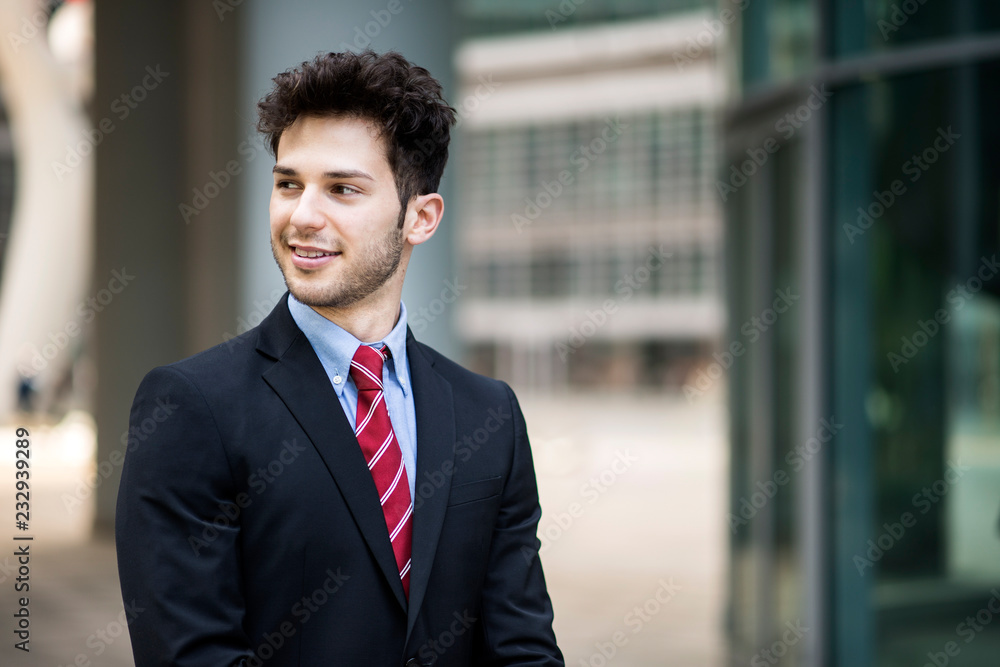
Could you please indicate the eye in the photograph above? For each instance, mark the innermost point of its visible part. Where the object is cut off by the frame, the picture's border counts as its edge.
(284, 185)
(345, 190)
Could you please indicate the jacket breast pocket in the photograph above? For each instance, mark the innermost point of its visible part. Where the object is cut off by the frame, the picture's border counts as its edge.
(470, 492)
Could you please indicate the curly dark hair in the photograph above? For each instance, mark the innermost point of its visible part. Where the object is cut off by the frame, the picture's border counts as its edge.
(401, 99)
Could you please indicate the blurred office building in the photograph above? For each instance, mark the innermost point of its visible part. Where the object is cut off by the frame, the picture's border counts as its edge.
(860, 179)
(588, 248)
(590, 235)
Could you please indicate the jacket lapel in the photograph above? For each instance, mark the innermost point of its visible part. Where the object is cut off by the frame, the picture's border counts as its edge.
(297, 376)
(435, 412)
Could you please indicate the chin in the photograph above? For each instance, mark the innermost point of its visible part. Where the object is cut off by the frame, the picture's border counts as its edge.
(305, 291)
(317, 295)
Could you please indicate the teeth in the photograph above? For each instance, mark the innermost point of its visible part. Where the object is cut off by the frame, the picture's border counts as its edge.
(311, 253)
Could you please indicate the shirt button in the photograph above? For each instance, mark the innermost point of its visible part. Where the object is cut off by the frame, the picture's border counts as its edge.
(337, 379)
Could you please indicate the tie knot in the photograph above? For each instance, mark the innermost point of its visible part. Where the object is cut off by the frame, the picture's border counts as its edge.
(366, 367)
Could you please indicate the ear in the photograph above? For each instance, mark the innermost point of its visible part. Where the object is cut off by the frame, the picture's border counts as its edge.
(422, 217)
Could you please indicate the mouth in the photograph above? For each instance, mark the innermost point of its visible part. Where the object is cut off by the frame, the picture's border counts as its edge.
(306, 257)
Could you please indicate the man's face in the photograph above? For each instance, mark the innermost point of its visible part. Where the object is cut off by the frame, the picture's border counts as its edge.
(334, 213)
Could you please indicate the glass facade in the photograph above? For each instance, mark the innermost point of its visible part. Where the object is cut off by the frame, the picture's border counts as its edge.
(885, 25)
(866, 424)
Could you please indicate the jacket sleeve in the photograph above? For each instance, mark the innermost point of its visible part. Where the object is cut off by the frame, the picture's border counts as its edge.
(516, 610)
(178, 548)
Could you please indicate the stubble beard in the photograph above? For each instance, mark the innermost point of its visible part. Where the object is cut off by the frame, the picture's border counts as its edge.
(373, 268)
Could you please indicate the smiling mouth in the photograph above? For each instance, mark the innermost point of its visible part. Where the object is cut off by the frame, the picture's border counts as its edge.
(302, 252)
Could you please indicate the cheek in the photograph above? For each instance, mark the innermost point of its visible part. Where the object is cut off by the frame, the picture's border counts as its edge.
(278, 215)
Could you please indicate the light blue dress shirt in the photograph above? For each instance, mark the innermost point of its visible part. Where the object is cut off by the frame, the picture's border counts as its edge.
(335, 348)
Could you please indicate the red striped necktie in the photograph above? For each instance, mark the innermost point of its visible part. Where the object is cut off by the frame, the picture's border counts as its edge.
(385, 459)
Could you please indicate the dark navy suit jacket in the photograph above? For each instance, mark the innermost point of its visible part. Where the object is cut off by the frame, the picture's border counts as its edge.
(249, 529)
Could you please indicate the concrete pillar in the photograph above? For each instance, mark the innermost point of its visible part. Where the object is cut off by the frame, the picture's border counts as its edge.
(164, 145)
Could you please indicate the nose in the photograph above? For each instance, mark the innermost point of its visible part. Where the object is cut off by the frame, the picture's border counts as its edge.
(308, 212)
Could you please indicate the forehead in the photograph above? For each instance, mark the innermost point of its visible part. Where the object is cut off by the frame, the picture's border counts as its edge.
(325, 142)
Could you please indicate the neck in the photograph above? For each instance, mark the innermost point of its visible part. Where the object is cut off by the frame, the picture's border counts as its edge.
(371, 319)
(367, 322)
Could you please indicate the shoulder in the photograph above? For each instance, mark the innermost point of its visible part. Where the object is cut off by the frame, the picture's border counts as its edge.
(237, 362)
(229, 367)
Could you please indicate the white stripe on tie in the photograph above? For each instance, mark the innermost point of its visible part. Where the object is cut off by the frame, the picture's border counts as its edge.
(371, 376)
(382, 450)
(368, 417)
(395, 483)
(402, 522)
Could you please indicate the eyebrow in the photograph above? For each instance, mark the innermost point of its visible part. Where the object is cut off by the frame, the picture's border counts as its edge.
(346, 173)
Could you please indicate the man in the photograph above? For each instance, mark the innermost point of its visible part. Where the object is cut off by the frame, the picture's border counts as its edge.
(325, 490)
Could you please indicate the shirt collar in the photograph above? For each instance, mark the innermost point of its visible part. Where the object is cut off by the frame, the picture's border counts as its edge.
(335, 347)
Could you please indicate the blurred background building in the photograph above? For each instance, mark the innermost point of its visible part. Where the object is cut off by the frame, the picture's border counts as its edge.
(594, 152)
(746, 246)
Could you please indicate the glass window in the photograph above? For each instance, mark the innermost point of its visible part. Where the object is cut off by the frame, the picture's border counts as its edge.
(888, 24)
(914, 221)
(778, 40)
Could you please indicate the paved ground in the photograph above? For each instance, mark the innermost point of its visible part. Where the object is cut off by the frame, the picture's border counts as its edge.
(634, 550)
(647, 480)
(76, 610)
